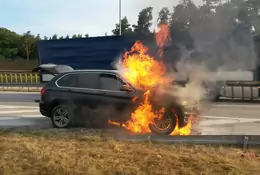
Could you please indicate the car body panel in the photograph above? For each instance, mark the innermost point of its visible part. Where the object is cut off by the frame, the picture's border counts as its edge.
(96, 104)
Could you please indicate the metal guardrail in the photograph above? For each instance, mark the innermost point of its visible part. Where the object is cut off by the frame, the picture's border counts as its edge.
(243, 83)
(244, 141)
(19, 80)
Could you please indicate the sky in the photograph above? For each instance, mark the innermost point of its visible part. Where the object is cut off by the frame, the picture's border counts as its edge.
(62, 17)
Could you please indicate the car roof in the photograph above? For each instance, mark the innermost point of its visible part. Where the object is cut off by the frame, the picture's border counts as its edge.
(96, 70)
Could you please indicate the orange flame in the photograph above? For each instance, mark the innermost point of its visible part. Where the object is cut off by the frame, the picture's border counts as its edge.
(162, 37)
(142, 71)
(139, 123)
(146, 73)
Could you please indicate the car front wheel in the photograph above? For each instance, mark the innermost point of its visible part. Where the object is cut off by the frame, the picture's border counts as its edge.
(164, 126)
(61, 116)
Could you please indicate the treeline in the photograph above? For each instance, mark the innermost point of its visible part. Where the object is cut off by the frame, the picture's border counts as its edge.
(214, 21)
(15, 46)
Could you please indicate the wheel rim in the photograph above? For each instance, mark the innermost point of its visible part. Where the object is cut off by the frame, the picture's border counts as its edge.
(61, 117)
(163, 124)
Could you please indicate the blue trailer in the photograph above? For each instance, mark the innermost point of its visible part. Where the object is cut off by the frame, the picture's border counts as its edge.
(101, 52)
(88, 53)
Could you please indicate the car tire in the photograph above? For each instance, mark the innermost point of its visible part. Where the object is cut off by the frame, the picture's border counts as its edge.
(61, 116)
(169, 117)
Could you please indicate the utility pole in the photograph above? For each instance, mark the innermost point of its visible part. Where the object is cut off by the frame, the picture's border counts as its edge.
(120, 26)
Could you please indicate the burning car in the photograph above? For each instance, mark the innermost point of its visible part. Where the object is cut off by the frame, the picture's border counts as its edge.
(135, 96)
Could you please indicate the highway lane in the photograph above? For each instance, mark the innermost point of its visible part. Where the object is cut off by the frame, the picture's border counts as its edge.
(19, 109)
(19, 96)
(229, 118)
(215, 119)
(22, 114)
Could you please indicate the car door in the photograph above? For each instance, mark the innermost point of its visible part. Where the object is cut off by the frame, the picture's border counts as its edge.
(66, 91)
(87, 94)
(117, 103)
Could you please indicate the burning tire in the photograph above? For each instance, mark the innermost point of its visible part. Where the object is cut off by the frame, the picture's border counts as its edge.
(166, 125)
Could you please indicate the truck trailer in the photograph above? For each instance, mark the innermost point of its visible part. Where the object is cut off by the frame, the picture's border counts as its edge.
(102, 52)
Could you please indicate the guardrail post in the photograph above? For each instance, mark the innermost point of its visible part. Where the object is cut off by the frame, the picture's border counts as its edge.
(245, 145)
(251, 93)
(232, 92)
(31, 78)
(6, 78)
(16, 78)
(26, 79)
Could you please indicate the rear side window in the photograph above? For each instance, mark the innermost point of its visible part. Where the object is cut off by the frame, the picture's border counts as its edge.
(110, 82)
(68, 80)
(87, 80)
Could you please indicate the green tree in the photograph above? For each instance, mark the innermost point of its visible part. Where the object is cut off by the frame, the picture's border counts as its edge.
(8, 43)
(86, 35)
(144, 21)
(67, 37)
(184, 15)
(74, 36)
(54, 37)
(28, 44)
(125, 27)
(253, 7)
(163, 16)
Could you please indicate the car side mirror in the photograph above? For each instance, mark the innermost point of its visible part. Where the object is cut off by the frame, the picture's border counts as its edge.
(126, 88)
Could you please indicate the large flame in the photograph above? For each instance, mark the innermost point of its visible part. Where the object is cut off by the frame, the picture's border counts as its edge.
(142, 71)
(146, 73)
(162, 37)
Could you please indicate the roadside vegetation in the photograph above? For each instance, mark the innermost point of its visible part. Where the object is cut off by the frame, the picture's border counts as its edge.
(49, 152)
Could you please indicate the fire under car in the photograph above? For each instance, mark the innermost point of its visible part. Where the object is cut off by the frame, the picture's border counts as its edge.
(94, 97)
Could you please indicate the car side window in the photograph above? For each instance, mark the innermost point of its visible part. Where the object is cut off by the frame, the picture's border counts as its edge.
(68, 80)
(87, 80)
(110, 82)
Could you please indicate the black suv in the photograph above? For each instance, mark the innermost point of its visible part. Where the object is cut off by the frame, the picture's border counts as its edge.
(96, 96)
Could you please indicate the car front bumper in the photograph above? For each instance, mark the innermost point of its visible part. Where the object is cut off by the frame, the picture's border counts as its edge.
(191, 113)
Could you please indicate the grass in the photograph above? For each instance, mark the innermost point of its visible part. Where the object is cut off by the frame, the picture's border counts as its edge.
(48, 152)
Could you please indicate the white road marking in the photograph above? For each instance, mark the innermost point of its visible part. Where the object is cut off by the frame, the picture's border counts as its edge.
(222, 122)
(216, 120)
(15, 107)
(235, 105)
(13, 92)
(21, 117)
(221, 117)
(9, 118)
(18, 111)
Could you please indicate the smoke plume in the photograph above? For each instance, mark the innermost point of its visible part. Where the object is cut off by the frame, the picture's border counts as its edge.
(223, 50)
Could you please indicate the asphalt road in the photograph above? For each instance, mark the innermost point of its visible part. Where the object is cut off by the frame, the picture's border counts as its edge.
(19, 96)
(225, 118)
